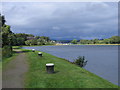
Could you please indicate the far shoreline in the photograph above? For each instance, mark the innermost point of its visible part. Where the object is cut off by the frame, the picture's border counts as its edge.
(71, 44)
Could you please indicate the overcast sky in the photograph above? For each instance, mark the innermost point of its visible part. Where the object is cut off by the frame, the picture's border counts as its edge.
(63, 20)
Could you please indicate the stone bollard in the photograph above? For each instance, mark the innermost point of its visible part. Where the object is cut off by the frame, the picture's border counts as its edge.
(33, 50)
(50, 68)
(40, 54)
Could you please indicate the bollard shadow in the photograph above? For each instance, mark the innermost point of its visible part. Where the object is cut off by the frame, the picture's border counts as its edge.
(23, 51)
(26, 51)
(52, 73)
(56, 72)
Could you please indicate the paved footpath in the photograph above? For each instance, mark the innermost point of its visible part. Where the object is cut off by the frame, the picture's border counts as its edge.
(14, 74)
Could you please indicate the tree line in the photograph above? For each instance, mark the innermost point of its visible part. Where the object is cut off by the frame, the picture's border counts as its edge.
(111, 40)
(29, 39)
(9, 39)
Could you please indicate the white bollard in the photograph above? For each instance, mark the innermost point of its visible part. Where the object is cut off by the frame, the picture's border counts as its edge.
(33, 50)
(50, 68)
(40, 53)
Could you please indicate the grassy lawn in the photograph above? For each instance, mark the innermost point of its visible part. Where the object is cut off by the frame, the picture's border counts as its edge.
(66, 75)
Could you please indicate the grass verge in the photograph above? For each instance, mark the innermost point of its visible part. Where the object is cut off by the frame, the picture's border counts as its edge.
(6, 60)
(66, 75)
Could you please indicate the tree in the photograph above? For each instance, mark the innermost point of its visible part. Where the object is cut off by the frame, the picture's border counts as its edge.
(6, 38)
(83, 41)
(45, 38)
(2, 20)
(95, 41)
(115, 40)
(20, 38)
(40, 42)
(31, 42)
(20, 41)
(74, 41)
(106, 41)
(6, 32)
(27, 42)
(6, 35)
(37, 37)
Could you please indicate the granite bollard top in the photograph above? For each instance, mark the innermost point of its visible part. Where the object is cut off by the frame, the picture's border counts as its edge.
(33, 50)
(39, 52)
(49, 64)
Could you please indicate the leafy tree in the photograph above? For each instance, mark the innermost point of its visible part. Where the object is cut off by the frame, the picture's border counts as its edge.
(28, 42)
(114, 39)
(74, 41)
(45, 38)
(106, 41)
(20, 41)
(102, 42)
(31, 42)
(40, 42)
(37, 37)
(2, 20)
(95, 41)
(14, 40)
(20, 38)
(83, 41)
(6, 35)
(6, 38)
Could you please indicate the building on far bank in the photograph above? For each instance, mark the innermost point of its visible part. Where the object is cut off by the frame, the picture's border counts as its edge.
(30, 38)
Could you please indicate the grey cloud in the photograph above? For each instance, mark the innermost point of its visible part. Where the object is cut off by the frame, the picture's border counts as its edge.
(63, 20)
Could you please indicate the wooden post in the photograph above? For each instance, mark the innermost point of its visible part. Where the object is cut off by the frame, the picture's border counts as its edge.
(50, 68)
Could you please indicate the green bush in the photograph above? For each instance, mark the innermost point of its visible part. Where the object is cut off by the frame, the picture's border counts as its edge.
(7, 51)
(80, 61)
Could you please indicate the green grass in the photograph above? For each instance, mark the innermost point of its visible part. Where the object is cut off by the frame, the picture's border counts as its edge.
(66, 75)
(16, 47)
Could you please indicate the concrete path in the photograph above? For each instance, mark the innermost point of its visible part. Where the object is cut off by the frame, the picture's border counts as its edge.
(14, 74)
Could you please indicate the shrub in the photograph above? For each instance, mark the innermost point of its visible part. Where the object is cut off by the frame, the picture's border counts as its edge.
(80, 61)
(6, 51)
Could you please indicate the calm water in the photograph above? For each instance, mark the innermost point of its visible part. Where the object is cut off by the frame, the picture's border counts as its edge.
(102, 60)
